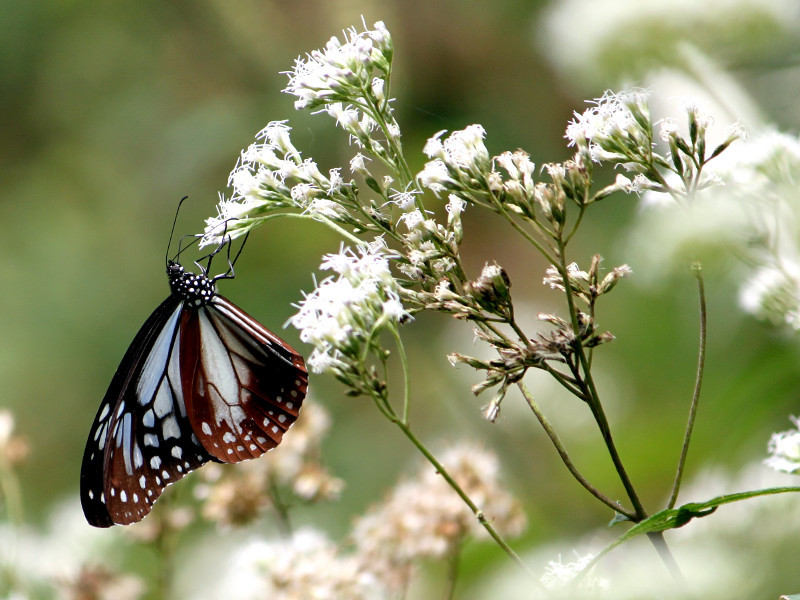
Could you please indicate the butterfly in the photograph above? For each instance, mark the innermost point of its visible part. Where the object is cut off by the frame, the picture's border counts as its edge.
(202, 381)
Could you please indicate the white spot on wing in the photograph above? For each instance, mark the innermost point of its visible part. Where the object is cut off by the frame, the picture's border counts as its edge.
(170, 429)
(155, 462)
(163, 403)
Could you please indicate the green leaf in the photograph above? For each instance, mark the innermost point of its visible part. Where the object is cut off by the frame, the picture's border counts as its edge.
(672, 518)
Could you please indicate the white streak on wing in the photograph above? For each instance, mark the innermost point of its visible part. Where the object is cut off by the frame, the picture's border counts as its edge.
(156, 360)
(127, 448)
(233, 342)
(104, 412)
(174, 374)
(215, 360)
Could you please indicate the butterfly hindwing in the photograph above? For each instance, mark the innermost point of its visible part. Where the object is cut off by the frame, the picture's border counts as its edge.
(247, 384)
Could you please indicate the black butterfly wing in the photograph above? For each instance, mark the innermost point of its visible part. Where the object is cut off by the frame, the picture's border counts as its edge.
(141, 439)
(242, 384)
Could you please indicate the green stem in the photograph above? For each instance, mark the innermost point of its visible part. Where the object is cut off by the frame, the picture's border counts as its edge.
(10, 493)
(657, 539)
(406, 375)
(590, 391)
(701, 359)
(565, 458)
(281, 509)
(453, 566)
(319, 219)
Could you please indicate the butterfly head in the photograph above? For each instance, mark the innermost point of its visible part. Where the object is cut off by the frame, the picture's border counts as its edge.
(196, 289)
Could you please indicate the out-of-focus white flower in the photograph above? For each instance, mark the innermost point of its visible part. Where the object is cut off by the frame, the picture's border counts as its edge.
(592, 42)
(424, 518)
(305, 566)
(784, 450)
(236, 497)
(773, 293)
(559, 574)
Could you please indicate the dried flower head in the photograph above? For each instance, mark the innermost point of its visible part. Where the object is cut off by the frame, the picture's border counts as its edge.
(235, 497)
(98, 583)
(424, 518)
(13, 448)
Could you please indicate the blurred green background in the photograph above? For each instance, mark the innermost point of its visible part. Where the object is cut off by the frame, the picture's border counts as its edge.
(111, 112)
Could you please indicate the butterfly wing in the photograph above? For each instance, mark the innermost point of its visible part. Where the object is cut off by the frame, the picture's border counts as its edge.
(242, 384)
(141, 439)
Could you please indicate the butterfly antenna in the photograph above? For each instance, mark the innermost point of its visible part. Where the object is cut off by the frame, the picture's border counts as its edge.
(172, 231)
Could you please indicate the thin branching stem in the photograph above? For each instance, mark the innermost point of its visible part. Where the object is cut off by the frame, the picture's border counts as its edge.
(565, 458)
(590, 391)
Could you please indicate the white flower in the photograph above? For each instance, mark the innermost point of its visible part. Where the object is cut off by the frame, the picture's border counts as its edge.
(434, 148)
(455, 205)
(465, 148)
(559, 574)
(320, 207)
(405, 199)
(784, 449)
(610, 127)
(435, 176)
(358, 164)
(773, 293)
(307, 565)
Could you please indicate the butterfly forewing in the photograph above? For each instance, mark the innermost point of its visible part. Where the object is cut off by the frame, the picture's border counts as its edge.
(141, 439)
(257, 387)
(201, 381)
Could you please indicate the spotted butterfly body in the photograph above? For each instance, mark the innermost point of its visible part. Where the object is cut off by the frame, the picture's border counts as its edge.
(202, 381)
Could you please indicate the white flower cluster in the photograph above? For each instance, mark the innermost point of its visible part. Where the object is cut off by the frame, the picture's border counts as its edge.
(462, 154)
(784, 450)
(342, 314)
(430, 246)
(332, 74)
(269, 175)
